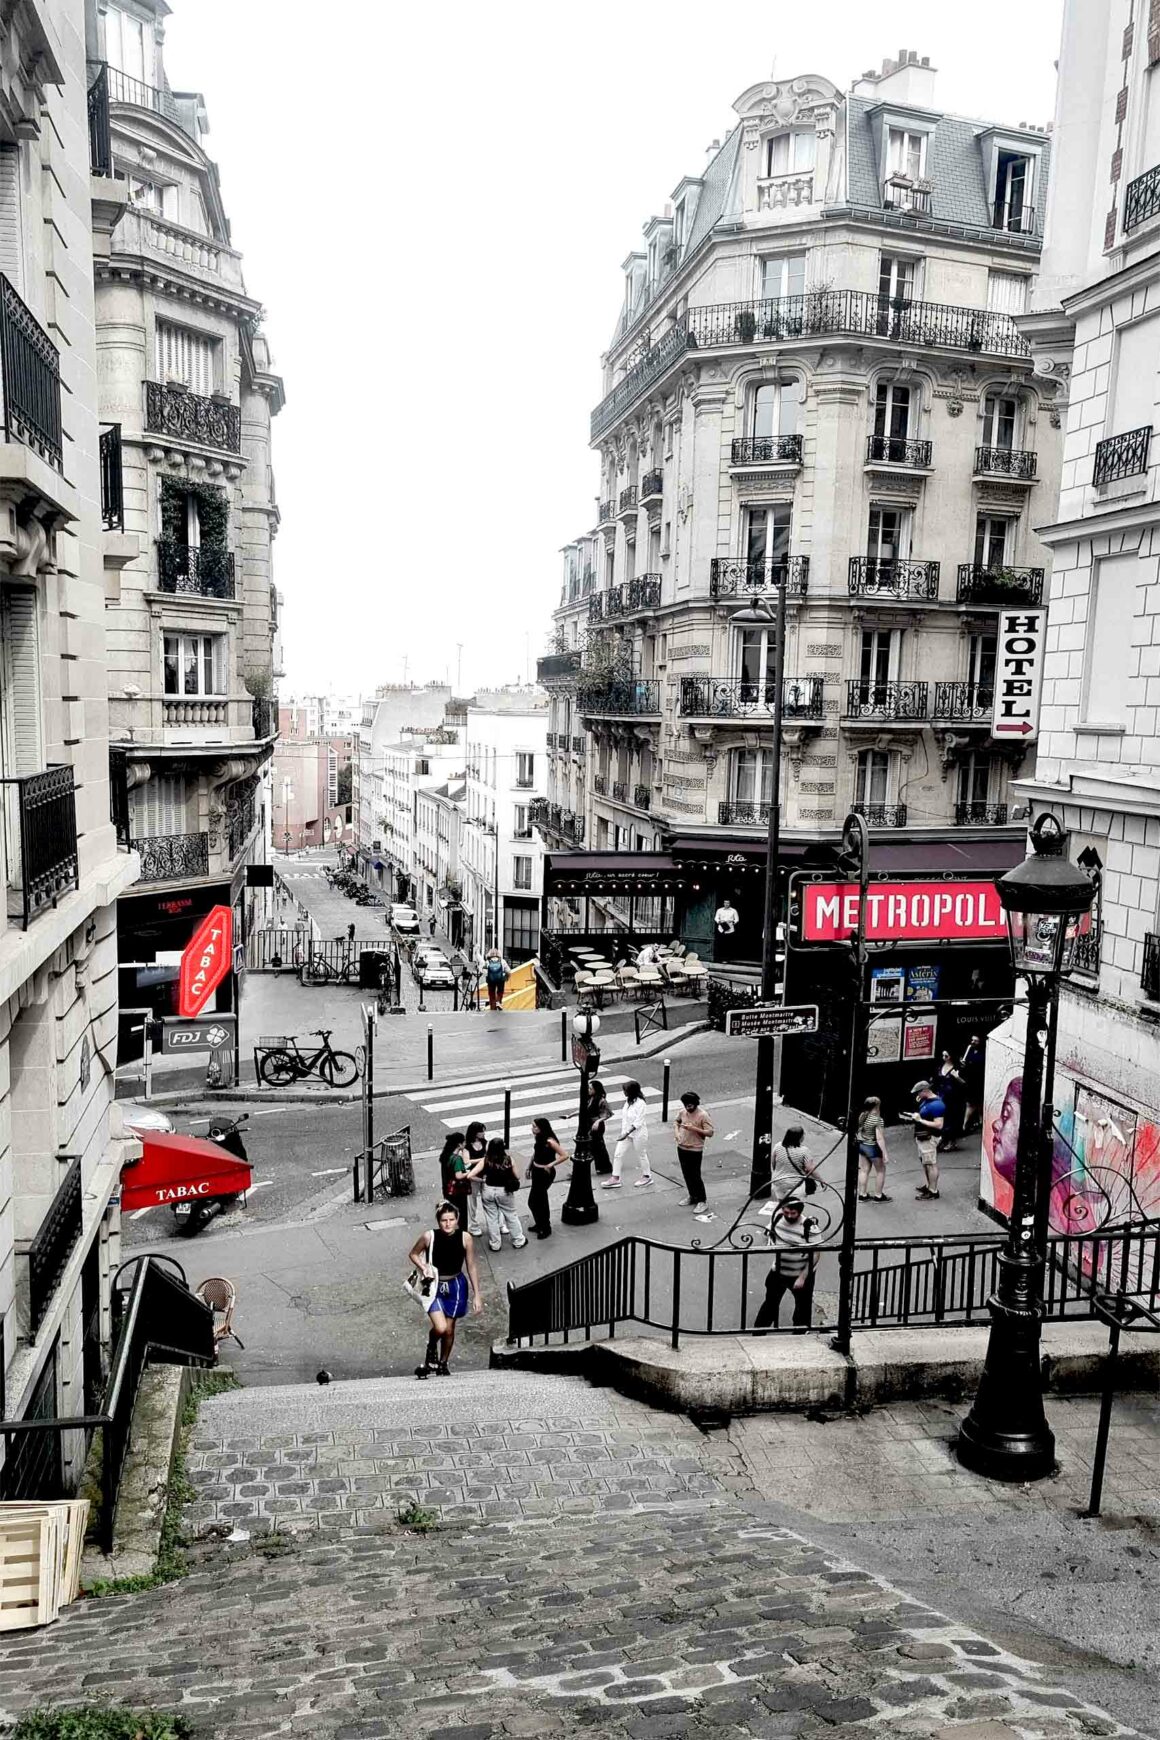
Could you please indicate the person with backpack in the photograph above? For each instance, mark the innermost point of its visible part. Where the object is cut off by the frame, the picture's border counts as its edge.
(497, 973)
(454, 1184)
(500, 1184)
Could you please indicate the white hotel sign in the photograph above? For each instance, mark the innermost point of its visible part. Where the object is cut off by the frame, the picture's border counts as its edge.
(1018, 674)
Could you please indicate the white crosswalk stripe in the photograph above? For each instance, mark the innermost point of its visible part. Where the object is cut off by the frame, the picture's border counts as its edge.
(552, 1093)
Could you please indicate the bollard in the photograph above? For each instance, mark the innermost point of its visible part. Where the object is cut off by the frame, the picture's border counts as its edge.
(563, 1036)
(665, 1091)
(430, 1052)
(507, 1114)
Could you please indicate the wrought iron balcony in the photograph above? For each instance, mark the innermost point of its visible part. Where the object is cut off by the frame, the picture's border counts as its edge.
(622, 697)
(112, 481)
(100, 137)
(892, 700)
(767, 450)
(206, 571)
(538, 811)
(729, 574)
(173, 857)
(577, 745)
(966, 703)
(240, 817)
(1122, 456)
(1150, 971)
(643, 593)
(46, 814)
(265, 715)
(734, 698)
(1014, 216)
(647, 369)
(619, 791)
(53, 1244)
(603, 606)
(907, 193)
(604, 513)
(979, 815)
(731, 814)
(600, 784)
(999, 586)
(554, 667)
(892, 577)
(1086, 958)
(173, 410)
(881, 815)
(1142, 199)
(651, 485)
(123, 89)
(627, 499)
(1014, 462)
(896, 450)
(31, 368)
(642, 796)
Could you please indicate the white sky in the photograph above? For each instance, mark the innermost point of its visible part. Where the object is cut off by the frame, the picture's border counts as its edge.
(433, 202)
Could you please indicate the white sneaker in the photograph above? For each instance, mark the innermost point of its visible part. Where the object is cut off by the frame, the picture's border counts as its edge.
(611, 1184)
(646, 1180)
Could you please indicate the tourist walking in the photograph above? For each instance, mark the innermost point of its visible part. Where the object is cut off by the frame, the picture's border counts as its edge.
(454, 1184)
(599, 1112)
(500, 1185)
(633, 1138)
(497, 972)
(872, 1155)
(794, 1267)
(475, 1148)
(973, 1069)
(692, 1128)
(444, 1251)
(952, 1091)
(929, 1122)
(793, 1166)
(547, 1153)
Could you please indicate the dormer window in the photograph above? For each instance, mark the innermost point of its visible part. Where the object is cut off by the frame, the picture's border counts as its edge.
(906, 154)
(679, 215)
(790, 153)
(1014, 206)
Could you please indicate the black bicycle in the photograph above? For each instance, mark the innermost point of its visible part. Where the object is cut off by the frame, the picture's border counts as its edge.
(287, 1063)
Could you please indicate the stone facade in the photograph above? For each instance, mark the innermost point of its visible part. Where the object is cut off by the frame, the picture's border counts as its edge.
(499, 846)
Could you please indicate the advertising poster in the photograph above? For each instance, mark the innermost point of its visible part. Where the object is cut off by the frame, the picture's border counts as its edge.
(886, 984)
(922, 982)
(918, 1038)
(884, 1039)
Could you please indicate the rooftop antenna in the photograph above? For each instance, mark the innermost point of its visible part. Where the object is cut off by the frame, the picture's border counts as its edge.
(773, 68)
(459, 667)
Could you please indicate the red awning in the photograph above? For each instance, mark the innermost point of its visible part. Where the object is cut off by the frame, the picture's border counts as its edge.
(180, 1169)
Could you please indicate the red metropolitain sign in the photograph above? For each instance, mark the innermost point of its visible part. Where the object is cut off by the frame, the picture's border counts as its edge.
(926, 912)
(205, 961)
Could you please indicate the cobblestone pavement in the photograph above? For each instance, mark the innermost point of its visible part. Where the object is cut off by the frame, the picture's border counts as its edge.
(599, 1568)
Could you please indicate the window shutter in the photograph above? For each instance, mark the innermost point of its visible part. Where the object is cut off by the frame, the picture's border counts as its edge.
(11, 251)
(23, 741)
(160, 806)
(1006, 293)
(187, 356)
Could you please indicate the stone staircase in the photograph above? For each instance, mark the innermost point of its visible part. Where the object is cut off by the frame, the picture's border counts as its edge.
(598, 1568)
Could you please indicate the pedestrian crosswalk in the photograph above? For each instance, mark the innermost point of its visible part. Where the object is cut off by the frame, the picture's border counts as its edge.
(551, 1093)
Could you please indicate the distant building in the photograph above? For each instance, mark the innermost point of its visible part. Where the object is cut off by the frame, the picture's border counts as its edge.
(381, 721)
(311, 782)
(501, 853)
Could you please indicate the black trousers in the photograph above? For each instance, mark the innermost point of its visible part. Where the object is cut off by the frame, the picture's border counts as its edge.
(776, 1285)
(690, 1159)
(600, 1160)
(538, 1206)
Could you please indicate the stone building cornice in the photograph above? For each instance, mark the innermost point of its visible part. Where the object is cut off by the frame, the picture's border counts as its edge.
(135, 269)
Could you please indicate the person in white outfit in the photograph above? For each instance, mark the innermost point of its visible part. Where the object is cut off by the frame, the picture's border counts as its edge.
(633, 1138)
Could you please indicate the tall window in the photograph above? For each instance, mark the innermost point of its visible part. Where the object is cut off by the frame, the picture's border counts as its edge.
(521, 872)
(976, 771)
(767, 531)
(878, 657)
(896, 278)
(992, 541)
(999, 418)
(981, 662)
(1013, 210)
(783, 276)
(790, 153)
(194, 664)
(891, 421)
(751, 776)
(906, 154)
(20, 702)
(525, 768)
(756, 648)
(775, 409)
(187, 356)
(888, 533)
(872, 780)
(128, 47)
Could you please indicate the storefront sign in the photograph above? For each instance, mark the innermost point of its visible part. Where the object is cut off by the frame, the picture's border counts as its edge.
(903, 912)
(204, 1034)
(1018, 675)
(205, 961)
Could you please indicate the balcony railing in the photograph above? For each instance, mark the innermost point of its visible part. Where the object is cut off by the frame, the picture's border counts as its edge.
(1014, 462)
(123, 89)
(902, 193)
(240, 816)
(643, 593)
(603, 606)
(264, 710)
(1000, 586)
(734, 697)
(642, 796)
(555, 666)
(604, 513)
(1014, 216)
(173, 410)
(600, 784)
(866, 700)
(882, 815)
(728, 574)
(980, 815)
(731, 814)
(42, 812)
(1086, 958)
(896, 450)
(627, 499)
(968, 703)
(814, 314)
(627, 696)
(652, 484)
(892, 577)
(1122, 456)
(206, 571)
(1142, 199)
(112, 481)
(53, 1244)
(1150, 971)
(31, 368)
(767, 450)
(620, 791)
(173, 857)
(100, 137)
(538, 811)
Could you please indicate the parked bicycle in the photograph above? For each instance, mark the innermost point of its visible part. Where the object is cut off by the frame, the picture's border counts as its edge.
(287, 1062)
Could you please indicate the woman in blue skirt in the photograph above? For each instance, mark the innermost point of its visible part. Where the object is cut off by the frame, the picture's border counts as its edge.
(444, 1252)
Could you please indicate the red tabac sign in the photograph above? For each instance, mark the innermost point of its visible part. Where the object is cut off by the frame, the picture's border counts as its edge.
(926, 912)
(205, 961)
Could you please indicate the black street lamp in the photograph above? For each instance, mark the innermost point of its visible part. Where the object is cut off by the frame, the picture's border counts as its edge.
(1006, 1435)
(580, 1208)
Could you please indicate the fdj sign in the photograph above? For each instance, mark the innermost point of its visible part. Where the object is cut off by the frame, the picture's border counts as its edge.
(203, 1035)
(904, 912)
(205, 961)
(1018, 675)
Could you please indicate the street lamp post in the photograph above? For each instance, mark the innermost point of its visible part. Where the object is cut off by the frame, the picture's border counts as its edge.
(759, 615)
(580, 1208)
(1006, 1435)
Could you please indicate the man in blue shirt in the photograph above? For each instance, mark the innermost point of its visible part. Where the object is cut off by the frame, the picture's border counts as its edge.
(928, 1127)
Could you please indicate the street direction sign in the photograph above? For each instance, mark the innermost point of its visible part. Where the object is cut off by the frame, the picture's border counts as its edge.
(203, 1034)
(764, 1019)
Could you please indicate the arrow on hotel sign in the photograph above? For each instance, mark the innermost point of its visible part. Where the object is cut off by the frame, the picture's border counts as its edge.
(1018, 674)
(205, 961)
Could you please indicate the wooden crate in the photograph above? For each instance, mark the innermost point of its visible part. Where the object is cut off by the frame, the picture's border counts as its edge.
(32, 1550)
(69, 1520)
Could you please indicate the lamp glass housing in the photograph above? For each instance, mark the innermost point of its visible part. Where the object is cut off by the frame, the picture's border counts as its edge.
(1044, 942)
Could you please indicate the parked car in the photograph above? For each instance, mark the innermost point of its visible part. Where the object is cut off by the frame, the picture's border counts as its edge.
(405, 919)
(431, 967)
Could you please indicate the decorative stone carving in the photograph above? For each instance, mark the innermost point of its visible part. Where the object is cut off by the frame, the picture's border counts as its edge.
(824, 649)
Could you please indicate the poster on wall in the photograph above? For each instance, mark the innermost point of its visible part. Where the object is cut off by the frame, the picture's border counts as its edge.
(922, 982)
(884, 1039)
(918, 1038)
(886, 984)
